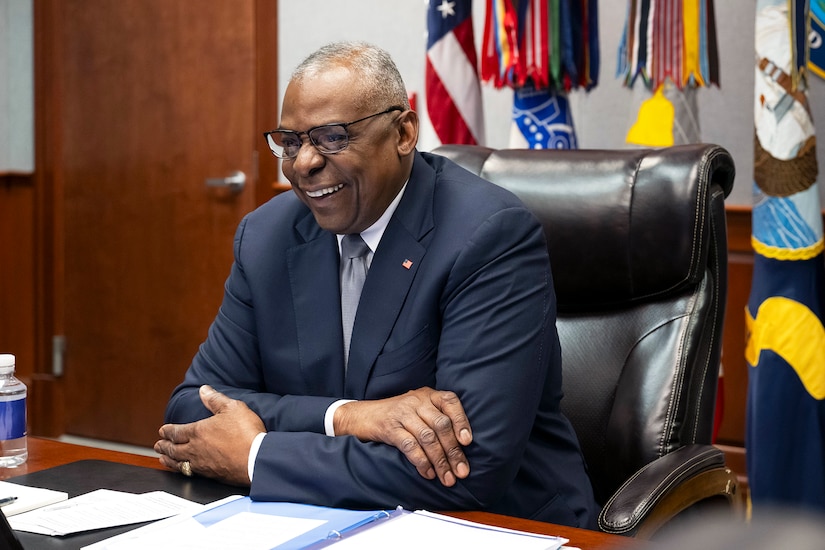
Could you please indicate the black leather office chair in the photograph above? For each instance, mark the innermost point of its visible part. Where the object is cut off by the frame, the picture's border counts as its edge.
(638, 248)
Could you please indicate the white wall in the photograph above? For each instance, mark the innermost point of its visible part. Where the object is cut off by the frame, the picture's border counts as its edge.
(602, 116)
(16, 87)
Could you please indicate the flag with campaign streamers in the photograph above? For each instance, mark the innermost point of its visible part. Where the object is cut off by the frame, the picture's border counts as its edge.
(542, 49)
(669, 39)
(669, 117)
(452, 83)
(785, 351)
(671, 47)
(546, 43)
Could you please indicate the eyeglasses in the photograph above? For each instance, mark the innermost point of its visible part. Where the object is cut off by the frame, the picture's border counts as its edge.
(327, 138)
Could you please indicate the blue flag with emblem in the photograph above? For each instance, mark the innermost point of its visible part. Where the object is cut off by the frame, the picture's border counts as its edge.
(785, 434)
(541, 120)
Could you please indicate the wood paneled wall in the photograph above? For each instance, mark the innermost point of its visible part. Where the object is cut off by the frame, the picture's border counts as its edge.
(17, 257)
(731, 437)
(22, 299)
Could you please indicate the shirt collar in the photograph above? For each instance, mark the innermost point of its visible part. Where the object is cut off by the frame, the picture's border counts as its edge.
(372, 235)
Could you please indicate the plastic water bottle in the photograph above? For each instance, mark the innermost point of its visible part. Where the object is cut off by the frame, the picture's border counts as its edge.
(13, 442)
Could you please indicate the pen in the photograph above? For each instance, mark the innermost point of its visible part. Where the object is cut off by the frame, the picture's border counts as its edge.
(336, 534)
(7, 500)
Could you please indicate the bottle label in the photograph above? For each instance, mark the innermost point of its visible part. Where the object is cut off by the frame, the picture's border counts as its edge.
(12, 419)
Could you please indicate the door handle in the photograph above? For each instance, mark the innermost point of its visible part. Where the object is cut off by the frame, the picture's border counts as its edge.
(235, 181)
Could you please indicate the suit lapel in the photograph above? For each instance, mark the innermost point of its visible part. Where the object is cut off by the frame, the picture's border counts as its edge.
(314, 281)
(390, 277)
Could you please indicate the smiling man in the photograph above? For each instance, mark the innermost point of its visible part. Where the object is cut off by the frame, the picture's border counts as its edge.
(443, 393)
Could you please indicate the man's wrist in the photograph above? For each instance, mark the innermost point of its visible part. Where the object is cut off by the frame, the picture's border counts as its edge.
(253, 454)
(329, 417)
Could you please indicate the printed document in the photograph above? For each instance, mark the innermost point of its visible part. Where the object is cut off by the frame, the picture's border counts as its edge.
(28, 498)
(424, 529)
(100, 509)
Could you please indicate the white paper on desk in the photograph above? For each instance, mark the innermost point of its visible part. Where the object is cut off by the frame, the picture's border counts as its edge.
(100, 509)
(124, 540)
(247, 530)
(28, 498)
(426, 529)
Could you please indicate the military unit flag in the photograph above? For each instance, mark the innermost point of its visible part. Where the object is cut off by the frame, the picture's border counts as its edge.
(785, 431)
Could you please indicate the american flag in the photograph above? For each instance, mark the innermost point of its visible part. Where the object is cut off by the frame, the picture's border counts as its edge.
(453, 89)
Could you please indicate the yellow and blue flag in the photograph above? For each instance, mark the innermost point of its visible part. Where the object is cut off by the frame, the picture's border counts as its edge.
(785, 433)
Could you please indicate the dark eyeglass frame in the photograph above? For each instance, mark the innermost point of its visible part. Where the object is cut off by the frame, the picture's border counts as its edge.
(318, 146)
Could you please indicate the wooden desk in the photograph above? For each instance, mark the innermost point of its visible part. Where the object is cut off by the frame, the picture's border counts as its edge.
(44, 453)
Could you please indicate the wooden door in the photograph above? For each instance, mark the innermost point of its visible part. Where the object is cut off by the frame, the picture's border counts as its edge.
(156, 97)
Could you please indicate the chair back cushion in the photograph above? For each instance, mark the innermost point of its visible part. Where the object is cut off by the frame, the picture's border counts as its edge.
(638, 250)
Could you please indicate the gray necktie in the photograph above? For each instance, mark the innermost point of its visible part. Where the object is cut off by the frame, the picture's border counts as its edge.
(353, 273)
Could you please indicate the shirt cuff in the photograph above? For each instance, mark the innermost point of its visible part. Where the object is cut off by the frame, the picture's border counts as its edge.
(253, 454)
(329, 426)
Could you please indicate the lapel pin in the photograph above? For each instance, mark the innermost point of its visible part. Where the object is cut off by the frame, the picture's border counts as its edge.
(407, 264)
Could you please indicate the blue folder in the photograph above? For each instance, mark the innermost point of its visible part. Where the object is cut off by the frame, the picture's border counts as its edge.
(338, 522)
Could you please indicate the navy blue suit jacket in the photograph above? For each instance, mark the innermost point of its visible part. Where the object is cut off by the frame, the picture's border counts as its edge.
(459, 296)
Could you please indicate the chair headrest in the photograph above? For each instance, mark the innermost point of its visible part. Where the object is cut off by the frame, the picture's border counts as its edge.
(621, 225)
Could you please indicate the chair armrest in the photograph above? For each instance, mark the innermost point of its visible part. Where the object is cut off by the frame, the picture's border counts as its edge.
(667, 486)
